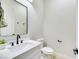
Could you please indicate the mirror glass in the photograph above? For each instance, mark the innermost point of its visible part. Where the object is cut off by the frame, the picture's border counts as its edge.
(16, 17)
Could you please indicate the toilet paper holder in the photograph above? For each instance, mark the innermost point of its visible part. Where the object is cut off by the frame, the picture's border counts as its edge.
(59, 41)
(75, 51)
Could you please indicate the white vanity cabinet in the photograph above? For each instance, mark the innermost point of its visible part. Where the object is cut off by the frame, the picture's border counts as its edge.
(34, 53)
(30, 49)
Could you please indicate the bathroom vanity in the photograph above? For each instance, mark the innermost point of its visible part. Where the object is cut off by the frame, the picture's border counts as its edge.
(30, 49)
(17, 19)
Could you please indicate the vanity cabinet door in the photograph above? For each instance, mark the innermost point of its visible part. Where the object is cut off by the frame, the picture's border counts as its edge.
(36, 56)
(34, 53)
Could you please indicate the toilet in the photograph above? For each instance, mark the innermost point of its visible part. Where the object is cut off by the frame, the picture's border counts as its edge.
(46, 52)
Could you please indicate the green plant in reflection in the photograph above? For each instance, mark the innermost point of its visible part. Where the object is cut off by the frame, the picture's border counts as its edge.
(3, 41)
(2, 22)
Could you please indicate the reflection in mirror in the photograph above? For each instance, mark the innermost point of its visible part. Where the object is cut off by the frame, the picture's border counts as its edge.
(2, 21)
(16, 16)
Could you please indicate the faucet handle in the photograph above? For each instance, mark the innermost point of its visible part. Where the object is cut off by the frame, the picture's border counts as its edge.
(12, 43)
(22, 41)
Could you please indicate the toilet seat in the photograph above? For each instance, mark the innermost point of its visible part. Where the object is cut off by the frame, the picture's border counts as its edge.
(47, 50)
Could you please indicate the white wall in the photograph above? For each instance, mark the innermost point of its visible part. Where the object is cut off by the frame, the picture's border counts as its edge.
(35, 19)
(60, 24)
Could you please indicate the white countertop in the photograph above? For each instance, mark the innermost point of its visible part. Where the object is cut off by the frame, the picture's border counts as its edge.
(9, 54)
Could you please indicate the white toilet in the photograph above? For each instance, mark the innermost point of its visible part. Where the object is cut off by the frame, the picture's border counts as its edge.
(47, 53)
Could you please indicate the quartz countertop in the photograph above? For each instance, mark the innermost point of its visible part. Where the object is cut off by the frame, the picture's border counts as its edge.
(9, 53)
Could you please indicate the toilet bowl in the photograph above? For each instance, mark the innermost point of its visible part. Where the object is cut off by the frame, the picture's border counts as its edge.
(47, 52)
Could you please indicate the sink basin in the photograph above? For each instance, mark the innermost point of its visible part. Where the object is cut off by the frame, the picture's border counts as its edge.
(27, 44)
(16, 50)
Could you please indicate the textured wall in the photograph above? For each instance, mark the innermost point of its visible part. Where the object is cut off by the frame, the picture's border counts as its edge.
(60, 24)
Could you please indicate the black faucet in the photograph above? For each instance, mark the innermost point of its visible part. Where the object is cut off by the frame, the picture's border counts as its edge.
(18, 36)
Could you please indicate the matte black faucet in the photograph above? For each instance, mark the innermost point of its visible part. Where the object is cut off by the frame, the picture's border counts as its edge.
(18, 36)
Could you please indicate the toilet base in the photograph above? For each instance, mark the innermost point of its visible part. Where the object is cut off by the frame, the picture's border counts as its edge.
(43, 56)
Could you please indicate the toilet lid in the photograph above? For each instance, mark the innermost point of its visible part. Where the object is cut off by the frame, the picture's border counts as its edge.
(47, 50)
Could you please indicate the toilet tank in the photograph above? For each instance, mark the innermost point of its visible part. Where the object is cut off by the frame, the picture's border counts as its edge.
(43, 41)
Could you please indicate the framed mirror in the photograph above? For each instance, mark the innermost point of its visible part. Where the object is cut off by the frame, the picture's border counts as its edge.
(16, 16)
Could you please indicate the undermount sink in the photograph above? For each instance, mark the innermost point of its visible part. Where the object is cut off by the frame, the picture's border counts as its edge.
(25, 45)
